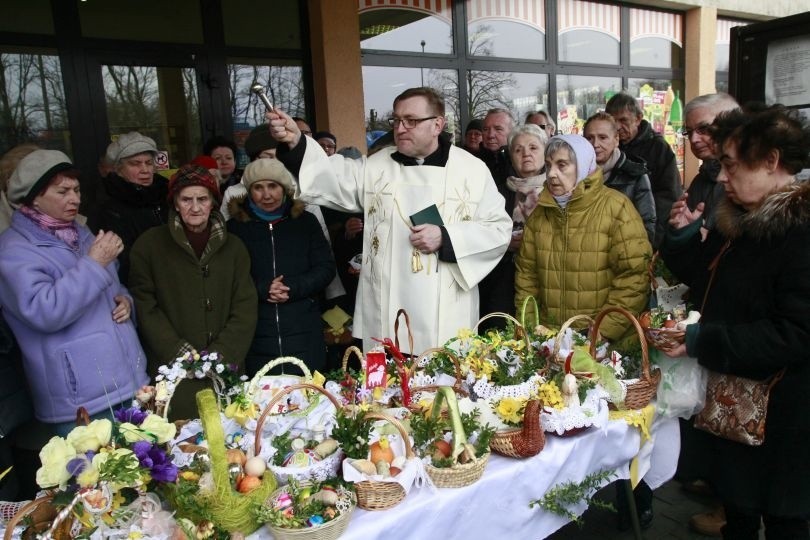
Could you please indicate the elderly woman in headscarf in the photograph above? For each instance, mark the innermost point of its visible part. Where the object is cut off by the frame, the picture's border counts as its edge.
(62, 299)
(584, 247)
(191, 283)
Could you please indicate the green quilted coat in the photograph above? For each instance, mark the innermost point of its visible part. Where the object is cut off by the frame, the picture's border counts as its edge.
(590, 255)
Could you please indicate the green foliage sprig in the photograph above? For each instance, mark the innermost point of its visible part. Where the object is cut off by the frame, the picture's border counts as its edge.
(560, 498)
(351, 431)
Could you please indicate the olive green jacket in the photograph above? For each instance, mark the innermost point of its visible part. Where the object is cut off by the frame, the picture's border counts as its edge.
(581, 259)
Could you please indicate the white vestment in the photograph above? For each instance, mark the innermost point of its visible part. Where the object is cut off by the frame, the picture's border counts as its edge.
(442, 297)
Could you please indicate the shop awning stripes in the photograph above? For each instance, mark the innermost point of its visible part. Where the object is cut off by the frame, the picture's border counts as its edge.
(531, 12)
(645, 23)
(578, 15)
(724, 27)
(440, 8)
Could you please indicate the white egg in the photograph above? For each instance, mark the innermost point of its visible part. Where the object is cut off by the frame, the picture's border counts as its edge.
(255, 466)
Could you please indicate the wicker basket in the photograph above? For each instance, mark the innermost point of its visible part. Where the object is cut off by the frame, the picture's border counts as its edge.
(383, 495)
(328, 531)
(522, 442)
(520, 331)
(458, 474)
(663, 338)
(254, 384)
(42, 516)
(639, 393)
(327, 468)
(457, 385)
(555, 353)
(228, 508)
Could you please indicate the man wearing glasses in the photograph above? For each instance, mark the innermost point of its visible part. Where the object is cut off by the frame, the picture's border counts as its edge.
(699, 115)
(434, 222)
(543, 120)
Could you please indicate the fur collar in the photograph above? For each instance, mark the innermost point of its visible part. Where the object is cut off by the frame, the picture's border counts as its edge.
(238, 209)
(781, 210)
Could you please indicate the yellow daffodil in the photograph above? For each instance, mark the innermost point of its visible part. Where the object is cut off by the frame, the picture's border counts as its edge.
(509, 409)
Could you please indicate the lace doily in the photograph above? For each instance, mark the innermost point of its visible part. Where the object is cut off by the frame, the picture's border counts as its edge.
(593, 412)
(483, 389)
(320, 471)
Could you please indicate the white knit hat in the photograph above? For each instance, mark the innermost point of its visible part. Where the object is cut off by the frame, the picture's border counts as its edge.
(269, 169)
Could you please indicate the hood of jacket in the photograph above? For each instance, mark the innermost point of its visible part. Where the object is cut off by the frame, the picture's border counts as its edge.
(238, 208)
(583, 192)
(780, 211)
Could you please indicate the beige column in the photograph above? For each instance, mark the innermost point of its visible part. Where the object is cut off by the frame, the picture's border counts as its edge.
(337, 73)
(701, 37)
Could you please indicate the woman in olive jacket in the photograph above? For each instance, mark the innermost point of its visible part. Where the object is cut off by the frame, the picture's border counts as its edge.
(191, 284)
(291, 265)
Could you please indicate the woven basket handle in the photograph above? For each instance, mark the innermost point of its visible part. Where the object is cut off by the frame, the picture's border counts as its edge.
(357, 353)
(645, 353)
(397, 424)
(404, 313)
(253, 386)
(555, 353)
(456, 369)
(267, 410)
(530, 299)
(520, 331)
(23, 512)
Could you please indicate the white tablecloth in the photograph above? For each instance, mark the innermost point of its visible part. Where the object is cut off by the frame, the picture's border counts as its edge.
(497, 506)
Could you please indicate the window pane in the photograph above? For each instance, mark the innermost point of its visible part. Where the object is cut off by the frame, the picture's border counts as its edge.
(382, 84)
(246, 23)
(588, 46)
(161, 103)
(27, 16)
(284, 86)
(578, 97)
(33, 108)
(506, 39)
(518, 92)
(406, 30)
(662, 103)
(178, 21)
(723, 48)
(655, 52)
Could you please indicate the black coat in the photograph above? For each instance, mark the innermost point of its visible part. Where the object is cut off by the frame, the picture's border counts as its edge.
(629, 176)
(756, 321)
(662, 168)
(705, 189)
(296, 248)
(129, 210)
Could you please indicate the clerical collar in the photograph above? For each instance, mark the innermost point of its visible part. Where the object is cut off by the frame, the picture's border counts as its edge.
(436, 159)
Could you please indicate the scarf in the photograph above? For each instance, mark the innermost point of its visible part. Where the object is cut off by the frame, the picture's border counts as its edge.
(66, 231)
(270, 217)
(527, 190)
(612, 161)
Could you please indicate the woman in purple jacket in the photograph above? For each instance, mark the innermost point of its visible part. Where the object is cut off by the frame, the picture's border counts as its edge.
(60, 295)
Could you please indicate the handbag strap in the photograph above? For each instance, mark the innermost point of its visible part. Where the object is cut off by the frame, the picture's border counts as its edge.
(713, 269)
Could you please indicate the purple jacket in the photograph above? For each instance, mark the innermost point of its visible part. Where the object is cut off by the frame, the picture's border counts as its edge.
(59, 305)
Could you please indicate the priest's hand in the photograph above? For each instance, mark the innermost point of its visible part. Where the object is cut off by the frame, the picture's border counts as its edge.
(426, 238)
(283, 128)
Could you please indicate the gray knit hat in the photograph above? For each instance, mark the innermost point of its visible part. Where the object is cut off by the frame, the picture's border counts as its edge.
(130, 144)
(269, 169)
(33, 174)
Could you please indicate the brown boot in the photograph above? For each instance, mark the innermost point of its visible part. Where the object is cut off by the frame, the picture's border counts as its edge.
(709, 523)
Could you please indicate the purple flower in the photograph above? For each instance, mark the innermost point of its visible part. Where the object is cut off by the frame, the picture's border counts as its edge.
(76, 465)
(133, 415)
(154, 458)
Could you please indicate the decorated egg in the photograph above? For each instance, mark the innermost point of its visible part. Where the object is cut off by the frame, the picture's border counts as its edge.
(255, 466)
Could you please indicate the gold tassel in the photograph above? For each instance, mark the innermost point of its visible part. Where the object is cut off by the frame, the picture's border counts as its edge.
(416, 261)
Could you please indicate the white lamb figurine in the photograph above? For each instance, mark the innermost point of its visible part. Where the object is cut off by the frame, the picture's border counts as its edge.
(570, 395)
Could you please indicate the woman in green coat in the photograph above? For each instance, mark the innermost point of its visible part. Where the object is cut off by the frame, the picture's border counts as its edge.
(191, 283)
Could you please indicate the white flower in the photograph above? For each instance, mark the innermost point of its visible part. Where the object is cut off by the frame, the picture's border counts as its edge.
(199, 374)
(243, 378)
(213, 356)
(219, 368)
(206, 367)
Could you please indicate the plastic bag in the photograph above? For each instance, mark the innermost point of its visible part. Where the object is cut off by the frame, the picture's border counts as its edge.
(682, 390)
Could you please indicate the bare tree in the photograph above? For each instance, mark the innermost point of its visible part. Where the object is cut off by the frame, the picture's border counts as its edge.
(132, 97)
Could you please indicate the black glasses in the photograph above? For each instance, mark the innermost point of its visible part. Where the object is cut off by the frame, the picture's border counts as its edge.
(409, 123)
(541, 126)
(702, 129)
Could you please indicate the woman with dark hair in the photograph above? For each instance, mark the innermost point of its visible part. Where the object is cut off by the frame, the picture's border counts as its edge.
(224, 151)
(62, 299)
(760, 245)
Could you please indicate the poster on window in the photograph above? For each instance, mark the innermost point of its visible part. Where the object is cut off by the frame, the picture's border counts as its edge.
(787, 72)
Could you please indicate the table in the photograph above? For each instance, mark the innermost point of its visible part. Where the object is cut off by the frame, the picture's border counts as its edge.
(497, 506)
